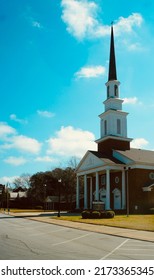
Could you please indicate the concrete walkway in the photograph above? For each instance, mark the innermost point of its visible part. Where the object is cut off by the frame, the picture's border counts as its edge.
(121, 232)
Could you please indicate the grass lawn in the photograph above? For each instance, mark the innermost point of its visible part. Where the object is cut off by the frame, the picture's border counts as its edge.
(139, 222)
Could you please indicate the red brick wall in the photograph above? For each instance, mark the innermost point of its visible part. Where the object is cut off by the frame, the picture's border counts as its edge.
(139, 178)
(108, 145)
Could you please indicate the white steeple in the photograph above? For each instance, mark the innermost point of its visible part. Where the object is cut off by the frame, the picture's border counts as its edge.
(113, 120)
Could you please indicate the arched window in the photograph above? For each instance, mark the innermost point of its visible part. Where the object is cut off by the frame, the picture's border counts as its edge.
(108, 91)
(103, 179)
(116, 90)
(105, 127)
(118, 126)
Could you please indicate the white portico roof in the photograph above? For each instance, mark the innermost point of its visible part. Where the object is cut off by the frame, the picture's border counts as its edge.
(93, 161)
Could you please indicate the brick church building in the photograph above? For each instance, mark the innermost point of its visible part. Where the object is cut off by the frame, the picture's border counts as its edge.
(120, 176)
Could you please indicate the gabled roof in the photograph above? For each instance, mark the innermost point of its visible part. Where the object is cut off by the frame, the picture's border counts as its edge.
(138, 155)
(106, 158)
(93, 159)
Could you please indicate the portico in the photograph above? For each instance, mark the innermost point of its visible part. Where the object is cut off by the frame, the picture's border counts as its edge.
(101, 179)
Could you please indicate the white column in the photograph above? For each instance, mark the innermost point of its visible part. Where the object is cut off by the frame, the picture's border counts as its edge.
(85, 192)
(107, 189)
(123, 190)
(77, 194)
(91, 192)
(97, 186)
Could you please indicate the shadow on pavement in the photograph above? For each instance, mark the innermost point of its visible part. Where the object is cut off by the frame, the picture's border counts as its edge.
(43, 214)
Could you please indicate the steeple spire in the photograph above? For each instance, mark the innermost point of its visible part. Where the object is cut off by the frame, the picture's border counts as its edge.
(112, 63)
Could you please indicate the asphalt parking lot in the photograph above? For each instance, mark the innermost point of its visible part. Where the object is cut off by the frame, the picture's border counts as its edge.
(21, 238)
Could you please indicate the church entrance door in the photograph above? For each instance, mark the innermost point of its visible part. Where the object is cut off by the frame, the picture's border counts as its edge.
(117, 198)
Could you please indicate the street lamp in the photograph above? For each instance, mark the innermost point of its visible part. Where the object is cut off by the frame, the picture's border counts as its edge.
(127, 188)
(7, 197)
(59, 184)
(45, 193)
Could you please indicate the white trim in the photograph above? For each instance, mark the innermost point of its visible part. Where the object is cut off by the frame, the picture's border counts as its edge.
(117, 100)
(103, 168)
(111, 111)
(89, 161)
(107, 189)
(82, 160)
(113, 137)
(77, 193)
(85, 192)
(91, 192)
(97, 187)
(143, 166)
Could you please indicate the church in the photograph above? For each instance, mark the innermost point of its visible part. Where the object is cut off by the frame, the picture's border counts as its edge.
(119, 176)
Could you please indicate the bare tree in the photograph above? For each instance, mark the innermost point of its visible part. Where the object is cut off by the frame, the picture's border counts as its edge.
(23, 181)
(73, 162)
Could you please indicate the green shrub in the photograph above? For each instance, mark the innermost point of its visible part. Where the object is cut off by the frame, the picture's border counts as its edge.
(39, 207)
(103, 215)
(107, 214)
(98, 214)
(86, 214)
(110, 214)
(95, 215)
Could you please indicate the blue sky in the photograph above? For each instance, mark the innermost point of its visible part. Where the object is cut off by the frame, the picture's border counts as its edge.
(53, 68)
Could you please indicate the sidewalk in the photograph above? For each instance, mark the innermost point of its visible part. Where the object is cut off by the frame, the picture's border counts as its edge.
(120, 232)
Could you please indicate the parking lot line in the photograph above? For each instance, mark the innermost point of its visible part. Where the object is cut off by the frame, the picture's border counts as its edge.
(109, 254)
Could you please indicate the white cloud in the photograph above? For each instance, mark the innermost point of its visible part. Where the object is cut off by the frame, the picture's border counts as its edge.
(15, 161)
(26, 144)
(5, 129)
(45, 114)
(126, 25)
(14, 118)
(90, 72)
(44, 159)
(131, 100)
(5, 180)
(23, 143)
(31, 18)
(71, 142)
(36, 24)
(135, 47)
(11, 140)
(81, 19)
(139, 143)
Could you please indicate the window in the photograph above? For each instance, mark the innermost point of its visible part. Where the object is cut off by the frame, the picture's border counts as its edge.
(105, 127)
(116, 179)
(116, 90)
(118, 126)
(108, 91)
(151, 175)
(103, 180)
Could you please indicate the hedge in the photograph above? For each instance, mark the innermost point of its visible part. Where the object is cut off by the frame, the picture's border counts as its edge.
(108, 214)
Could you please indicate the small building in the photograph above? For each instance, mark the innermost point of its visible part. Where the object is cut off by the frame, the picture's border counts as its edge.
(18, 198)
(2, 199)
(120, 176)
